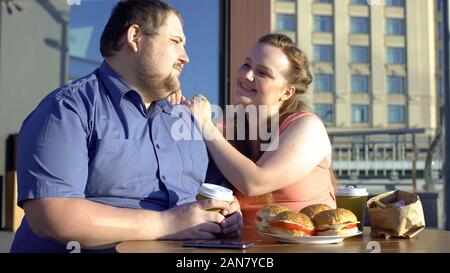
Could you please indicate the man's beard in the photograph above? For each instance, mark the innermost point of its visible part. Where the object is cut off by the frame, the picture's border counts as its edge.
(155, 85)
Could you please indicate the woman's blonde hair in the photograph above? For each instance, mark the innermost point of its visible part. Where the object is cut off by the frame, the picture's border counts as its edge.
(299, 76)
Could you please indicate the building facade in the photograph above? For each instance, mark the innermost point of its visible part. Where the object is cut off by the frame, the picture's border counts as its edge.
(375, 62)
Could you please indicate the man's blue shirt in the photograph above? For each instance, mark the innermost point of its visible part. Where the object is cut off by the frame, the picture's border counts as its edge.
(94, 139)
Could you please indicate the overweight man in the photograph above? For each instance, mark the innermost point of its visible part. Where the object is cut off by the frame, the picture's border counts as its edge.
(97, 163)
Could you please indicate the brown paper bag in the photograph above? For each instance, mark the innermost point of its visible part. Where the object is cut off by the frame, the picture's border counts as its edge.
(396, 213)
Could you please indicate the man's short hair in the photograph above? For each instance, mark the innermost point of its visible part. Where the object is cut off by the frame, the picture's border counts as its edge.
(149, 15)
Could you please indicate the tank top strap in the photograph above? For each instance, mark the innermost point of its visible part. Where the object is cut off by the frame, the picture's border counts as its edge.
(293, 117)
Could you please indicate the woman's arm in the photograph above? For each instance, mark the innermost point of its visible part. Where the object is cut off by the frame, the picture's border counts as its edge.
(300, 149)
(302, 146)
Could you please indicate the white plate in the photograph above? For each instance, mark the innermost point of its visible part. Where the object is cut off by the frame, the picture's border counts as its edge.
(309, 239)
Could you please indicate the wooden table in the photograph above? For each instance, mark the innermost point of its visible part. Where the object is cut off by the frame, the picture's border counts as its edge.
(427, 241)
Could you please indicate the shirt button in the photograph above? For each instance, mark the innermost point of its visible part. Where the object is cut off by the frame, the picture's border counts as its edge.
(157, 146)
(163, 178)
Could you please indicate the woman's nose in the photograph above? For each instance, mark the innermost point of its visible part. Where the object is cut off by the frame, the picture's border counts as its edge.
(248, 75)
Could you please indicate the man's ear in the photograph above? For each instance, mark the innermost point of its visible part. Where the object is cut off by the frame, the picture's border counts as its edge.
(133, 36)
(288, 92)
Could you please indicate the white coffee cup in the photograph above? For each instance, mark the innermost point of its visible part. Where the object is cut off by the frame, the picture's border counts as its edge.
(213, 191)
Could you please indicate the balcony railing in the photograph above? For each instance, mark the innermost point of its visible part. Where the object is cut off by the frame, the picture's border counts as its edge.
(397, 155)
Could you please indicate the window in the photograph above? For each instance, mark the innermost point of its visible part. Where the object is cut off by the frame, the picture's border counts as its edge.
(204, 43)
(286, 0)
(440, 58)
(358, 2)
(323, 1)
(360, 83)
(441, 86)
(323, 53)
(439, 5)
(324, 111)
(360, 113)
(396, 84)
(203, 47)
(395, 3)
(286, 22)
(85, 27)
(395, 55)
(359, 25)
(440, 30)
(359, 54)
(323, 83)
(323, 23)
(396, 113)
(395, 26)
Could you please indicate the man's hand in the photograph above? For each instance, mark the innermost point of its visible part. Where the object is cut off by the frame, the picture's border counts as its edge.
(193, 221)
(232, 225)
(176, 98)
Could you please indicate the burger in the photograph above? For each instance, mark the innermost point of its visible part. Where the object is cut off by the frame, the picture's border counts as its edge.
(291, 223)
(265, 214)
(335, 222)
(312, 210)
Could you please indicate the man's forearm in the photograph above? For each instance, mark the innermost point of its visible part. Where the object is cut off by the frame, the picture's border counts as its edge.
(91, 224)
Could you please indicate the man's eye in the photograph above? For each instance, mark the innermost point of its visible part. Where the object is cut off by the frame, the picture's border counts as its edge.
(246, 65)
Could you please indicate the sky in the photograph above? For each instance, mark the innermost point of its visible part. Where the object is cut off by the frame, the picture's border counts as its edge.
(201, 27)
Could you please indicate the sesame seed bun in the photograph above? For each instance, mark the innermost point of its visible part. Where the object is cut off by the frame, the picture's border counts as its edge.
(312, 210)
(335, 222)
(266, 214)
(291, 223)
(271, 210)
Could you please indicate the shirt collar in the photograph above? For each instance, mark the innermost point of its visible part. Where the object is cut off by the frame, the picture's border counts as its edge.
(167, 107)
(116, 86)
(164, 105)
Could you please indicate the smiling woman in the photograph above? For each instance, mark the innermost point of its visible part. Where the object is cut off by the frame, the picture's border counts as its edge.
(296, 172)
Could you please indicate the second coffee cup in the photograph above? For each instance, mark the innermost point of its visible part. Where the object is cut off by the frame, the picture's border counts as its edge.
(353, 199)
(213, 191)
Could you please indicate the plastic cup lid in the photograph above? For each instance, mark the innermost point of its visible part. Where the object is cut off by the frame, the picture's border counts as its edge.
(216, 192)
(351, 191)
